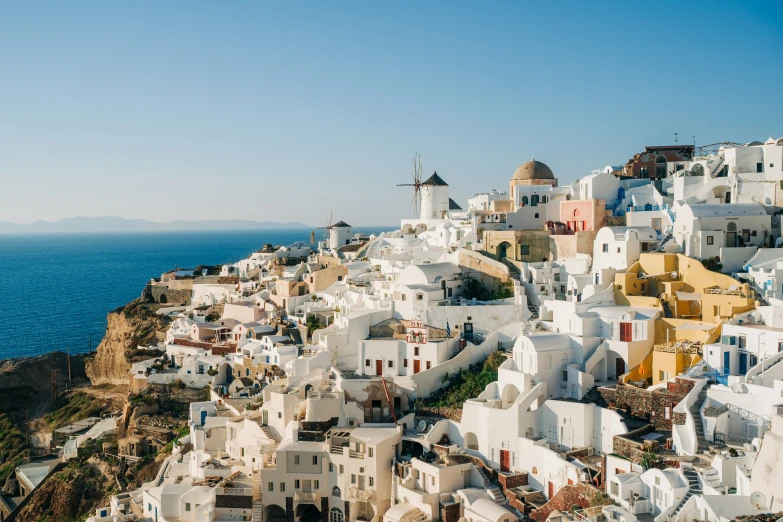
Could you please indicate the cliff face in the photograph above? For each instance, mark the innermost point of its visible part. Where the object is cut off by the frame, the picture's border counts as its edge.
(127, 328)
(27, 382)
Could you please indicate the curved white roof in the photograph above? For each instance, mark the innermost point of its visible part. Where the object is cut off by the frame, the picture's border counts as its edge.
(426, 274)
(544, 342)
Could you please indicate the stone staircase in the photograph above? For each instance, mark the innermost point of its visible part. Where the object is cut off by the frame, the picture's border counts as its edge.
(258, 506)
(295, 335)
(494, 492)
(697, 423)
(267, 433)
(666, 310)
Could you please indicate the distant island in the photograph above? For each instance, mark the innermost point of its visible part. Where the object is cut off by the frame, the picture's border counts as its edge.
(77, 225)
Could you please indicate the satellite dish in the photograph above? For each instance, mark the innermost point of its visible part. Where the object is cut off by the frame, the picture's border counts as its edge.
(674, 275)
(758, 500)
(422, 425)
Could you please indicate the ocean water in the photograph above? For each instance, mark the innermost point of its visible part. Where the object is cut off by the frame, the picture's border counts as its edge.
(56, 290)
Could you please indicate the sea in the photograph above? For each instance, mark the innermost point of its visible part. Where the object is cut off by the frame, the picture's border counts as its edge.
(56, 290)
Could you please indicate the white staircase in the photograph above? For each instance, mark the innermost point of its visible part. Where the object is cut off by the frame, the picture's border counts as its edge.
(493, 491)
(258, 506)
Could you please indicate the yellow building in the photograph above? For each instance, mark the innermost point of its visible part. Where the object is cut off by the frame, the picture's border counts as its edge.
(694, 303)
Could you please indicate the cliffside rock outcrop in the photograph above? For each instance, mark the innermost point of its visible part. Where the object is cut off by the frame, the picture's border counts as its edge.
(27, 382)
(128, 327)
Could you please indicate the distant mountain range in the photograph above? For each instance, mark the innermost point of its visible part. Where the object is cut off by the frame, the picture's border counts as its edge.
(77, 225)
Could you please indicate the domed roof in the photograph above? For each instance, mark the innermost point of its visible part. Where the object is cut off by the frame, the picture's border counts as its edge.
(533, 170)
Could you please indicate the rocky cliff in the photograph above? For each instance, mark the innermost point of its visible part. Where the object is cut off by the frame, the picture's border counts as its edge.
(128, 327)
(27, 382)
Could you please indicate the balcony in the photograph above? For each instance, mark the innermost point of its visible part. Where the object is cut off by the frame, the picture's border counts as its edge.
(300, 496)
(365, 495)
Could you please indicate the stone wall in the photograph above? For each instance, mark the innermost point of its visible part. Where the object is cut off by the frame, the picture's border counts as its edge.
(629, 446)
(161, 293)
(579, 495)
(650, 405)
(450, 512)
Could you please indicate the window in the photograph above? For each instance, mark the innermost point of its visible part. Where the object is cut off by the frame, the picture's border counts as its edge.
(742, 341)
(780, 346)
(282, 487)
(316, 484)
(342, 469)
(644, 172)
(271, 486)
(367, 362)
(644, 247)
(759, 167)
(187, 506)
(432, 479)
(536, 215)
(618, 250)
(657, 481)
(353, 479)
(534, 200)
(405, 363)
(372, 481)
(370, 452)
(656, 223)
(296, 459)
(391, 363)
(279, 415)
(335, 515)
(416, 351)
(419, 297)
(403, 297)
(525, 250)
(709, 240)
(429, 365)
(331, 467)
(315, 460)
(296, 484)
(605, 247)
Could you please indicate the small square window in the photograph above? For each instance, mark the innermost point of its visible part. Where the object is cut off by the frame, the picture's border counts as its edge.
(605, 247)
(709, 240)
(342, 469)
(315, 460)
(271, 486)
(331, 467)
(429, 365)
(390, 364)
(618, 250)
(367, 362)
(525, 250)
(296, 459)
(369, 452)
(405, 363)
(282, 486)
(372, 481)
(353, 479)
(296, 484)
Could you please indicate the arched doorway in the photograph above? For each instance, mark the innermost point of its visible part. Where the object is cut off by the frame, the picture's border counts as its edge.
(731, 234)
(336, 515)
(308, 513)
(502, 250)
(509, 395)
(660, 167)
(274, 513)
(697, 170)
(471, 441)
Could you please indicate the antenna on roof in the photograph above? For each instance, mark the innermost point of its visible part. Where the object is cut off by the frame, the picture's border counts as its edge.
(675, 138)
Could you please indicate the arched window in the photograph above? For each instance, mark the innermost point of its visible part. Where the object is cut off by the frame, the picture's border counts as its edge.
(336, 492)
(335, 515)
(697, 170)
(660, 167)
(576, 212)
(524, 200)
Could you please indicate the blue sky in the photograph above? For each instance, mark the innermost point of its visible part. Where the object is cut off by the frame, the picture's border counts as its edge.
(287, 110)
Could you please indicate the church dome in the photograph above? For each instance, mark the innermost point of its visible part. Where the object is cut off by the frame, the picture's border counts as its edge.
(532, 170)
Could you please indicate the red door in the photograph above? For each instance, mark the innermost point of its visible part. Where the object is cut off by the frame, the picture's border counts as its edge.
(378, 367)
(416, 366)
(625, 332)
(505, 460)
(551, 490)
